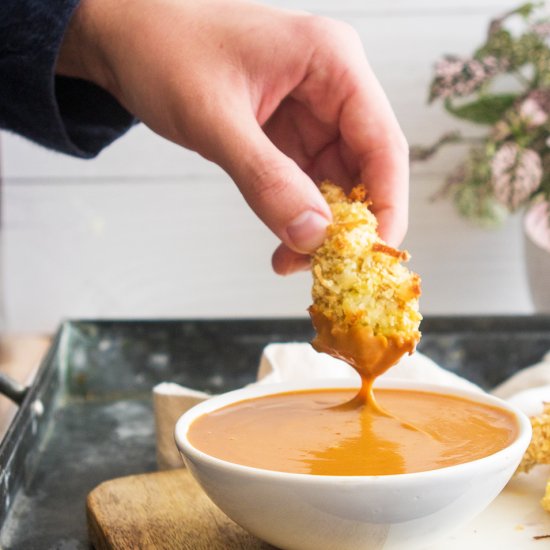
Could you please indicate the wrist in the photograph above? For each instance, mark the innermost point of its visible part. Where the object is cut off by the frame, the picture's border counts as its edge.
(80, 54)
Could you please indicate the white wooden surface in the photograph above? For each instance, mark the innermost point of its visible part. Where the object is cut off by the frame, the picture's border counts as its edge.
(148, 229)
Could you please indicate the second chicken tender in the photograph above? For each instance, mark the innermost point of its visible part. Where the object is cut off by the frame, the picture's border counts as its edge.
(538, 451)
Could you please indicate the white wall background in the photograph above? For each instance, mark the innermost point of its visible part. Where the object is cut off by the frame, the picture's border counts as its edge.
(150, 230)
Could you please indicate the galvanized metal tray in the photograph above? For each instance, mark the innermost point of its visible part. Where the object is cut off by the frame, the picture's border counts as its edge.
(88, 415)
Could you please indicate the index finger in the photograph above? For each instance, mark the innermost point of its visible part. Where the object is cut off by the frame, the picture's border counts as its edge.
(341, 88)
(370, 129)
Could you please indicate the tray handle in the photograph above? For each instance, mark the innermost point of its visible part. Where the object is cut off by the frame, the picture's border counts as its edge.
(12, 390)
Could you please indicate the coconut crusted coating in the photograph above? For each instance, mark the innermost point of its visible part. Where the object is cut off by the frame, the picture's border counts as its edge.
(538, 451)
(358, 280)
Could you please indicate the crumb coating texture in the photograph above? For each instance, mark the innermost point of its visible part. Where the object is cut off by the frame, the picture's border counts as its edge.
(357, 278)
(538, 451)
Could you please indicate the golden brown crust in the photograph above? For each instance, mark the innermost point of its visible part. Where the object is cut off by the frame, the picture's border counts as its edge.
(401, 255)
(358, 194)
(538, 451)
(365, 302)
(358, 279)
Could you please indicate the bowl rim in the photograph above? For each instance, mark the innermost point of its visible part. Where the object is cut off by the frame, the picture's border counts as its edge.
(188, 451)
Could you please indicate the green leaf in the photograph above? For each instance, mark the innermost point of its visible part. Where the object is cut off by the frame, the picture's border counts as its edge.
(488, 109)
(527, 9)
(499, 44)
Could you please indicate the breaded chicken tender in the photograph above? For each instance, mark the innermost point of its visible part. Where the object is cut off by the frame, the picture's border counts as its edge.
(538, 451)
(365, 302)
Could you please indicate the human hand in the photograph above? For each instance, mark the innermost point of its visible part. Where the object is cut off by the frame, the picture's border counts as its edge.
(279, 99)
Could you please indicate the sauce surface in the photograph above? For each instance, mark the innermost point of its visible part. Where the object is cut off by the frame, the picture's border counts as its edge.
(311, 432)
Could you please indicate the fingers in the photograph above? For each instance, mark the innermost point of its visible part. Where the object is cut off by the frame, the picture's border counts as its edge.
(285, 261)
(314, 145)
(370, 129)
(388, 176)
(342, 86)
(274, 186)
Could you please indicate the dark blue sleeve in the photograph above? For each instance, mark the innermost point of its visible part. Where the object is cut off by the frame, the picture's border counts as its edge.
(66, 114)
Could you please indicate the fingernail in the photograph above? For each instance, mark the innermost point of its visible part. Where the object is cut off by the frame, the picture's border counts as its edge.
(307, 231)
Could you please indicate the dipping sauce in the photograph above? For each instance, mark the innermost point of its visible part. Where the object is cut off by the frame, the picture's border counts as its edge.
(309, 432)
(368, 354)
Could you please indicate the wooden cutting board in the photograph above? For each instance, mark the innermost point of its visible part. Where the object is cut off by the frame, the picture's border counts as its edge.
(161, 511)
(168, 510)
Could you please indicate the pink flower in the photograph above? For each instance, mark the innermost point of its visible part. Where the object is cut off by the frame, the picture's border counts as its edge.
(541, 29)
(532, 113)
(455, 76)
(516, 174)
(542, 97)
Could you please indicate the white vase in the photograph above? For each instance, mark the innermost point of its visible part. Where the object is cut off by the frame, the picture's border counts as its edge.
(536, 230)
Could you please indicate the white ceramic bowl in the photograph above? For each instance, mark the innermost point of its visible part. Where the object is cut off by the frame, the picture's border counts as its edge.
(303, 511)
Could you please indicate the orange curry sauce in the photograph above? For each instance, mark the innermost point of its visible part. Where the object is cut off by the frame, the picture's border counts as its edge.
(309, 432)
(345, 432)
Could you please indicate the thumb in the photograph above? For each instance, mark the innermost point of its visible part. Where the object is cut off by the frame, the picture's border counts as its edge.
(273, 185)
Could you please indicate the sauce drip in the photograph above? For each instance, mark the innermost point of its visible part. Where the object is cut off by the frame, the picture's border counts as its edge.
(368, 354)
(307, 432)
